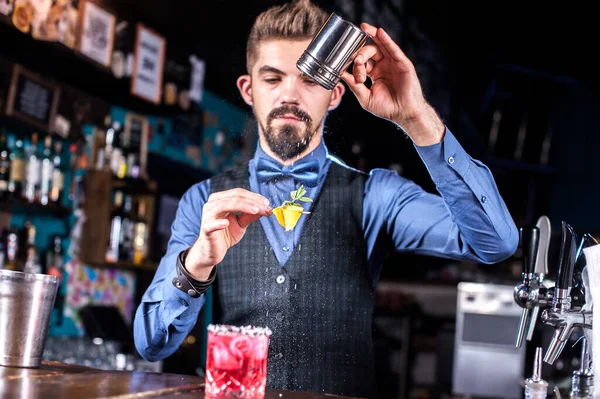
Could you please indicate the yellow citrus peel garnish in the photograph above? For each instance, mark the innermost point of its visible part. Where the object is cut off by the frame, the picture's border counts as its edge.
(289, 212)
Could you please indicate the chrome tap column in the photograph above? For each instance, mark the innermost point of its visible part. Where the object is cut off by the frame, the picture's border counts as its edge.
(564, 307)
(531, 294)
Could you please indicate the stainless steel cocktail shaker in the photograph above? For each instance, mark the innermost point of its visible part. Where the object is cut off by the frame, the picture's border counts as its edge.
(331, 51)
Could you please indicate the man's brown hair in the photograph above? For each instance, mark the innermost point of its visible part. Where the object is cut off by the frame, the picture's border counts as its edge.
(296, 20)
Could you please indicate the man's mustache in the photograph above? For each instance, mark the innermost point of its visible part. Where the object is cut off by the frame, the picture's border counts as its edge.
(286, 109)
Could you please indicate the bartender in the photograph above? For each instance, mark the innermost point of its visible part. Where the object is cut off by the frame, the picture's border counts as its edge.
(314, 286)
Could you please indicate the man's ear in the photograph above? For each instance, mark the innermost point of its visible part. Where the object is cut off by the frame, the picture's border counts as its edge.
(245, 87)
(336, 96)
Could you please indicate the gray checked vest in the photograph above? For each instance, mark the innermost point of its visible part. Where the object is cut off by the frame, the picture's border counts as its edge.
(319, 305)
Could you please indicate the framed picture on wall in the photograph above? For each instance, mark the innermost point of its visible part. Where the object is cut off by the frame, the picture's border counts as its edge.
(32, 99)
(96, 33)
(148, 66)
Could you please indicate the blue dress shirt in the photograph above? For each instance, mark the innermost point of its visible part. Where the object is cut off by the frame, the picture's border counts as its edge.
(468, 221)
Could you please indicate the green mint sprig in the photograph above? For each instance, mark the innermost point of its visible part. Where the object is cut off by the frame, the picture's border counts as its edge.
(297, 195)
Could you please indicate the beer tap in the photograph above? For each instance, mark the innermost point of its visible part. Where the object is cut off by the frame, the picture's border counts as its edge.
(560, 315)
(563, 304)
(531, 294)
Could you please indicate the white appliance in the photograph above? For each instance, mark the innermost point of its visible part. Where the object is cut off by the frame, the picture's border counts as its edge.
(487, 362)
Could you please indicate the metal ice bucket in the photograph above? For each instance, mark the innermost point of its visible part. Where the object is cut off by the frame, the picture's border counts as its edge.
(26, 302)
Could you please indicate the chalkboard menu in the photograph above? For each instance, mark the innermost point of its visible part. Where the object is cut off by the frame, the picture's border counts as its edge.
(32, 100)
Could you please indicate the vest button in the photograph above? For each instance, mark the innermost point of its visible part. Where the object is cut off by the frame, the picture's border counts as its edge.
(280, 279)
(278, 356)
(279, 317)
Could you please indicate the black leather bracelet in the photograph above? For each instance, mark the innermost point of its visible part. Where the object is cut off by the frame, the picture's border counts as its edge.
(186, 283)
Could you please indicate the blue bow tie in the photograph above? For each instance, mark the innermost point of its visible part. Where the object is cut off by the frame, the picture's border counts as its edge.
(306, 173)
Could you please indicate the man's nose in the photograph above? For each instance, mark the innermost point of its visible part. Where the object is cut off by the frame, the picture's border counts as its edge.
(290, 94)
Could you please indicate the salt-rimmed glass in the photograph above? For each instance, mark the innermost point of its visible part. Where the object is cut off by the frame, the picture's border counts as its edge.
(236, 361)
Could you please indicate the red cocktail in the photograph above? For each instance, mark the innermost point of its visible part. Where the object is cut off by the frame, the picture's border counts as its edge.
(236, 362)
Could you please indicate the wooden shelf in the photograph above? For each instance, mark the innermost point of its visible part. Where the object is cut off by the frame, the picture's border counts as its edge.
(71, 68)
(134, 185)
(14, 205)
(99, 185)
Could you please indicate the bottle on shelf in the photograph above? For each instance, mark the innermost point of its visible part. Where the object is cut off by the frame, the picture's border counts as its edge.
(46, 171)
(72, 166)
(33, 169)
(101, 151)
(113, 150)
(58, 175)
(16, 179)
(140, 235)
(127, 230)
(130, 144)
(55, 258)
(32, 259)
(112, 252)
(11, 261)
(4, 165)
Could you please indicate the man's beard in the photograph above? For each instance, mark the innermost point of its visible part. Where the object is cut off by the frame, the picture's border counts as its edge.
(288, 140)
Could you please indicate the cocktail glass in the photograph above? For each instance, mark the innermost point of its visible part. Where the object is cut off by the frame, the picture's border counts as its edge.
(236, 362)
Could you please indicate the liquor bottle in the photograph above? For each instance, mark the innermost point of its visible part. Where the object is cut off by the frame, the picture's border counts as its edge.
(112, 252)
(11, 261)
(101, 155)
(127, 231)
(47, 169)
(140, 235)
(58, 176)
(72, 167)
(130, 144)
(113, 151)
(17, 170)
(4, 166)
(32, 174)
(23, 238)
(55, 258)
(32, 260)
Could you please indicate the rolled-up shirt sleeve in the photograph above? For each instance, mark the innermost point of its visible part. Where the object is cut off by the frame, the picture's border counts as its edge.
(166, 314)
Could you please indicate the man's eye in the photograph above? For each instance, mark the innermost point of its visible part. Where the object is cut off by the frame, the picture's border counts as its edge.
(272, 80)
(310, 82)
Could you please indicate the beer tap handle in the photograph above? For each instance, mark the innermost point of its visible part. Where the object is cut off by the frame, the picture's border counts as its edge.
(541, 261)
(567, 257)
(529, 241)
(541, 266)
(579, 289)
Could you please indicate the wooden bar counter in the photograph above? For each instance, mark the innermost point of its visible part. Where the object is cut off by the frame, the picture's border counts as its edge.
(59, 380)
